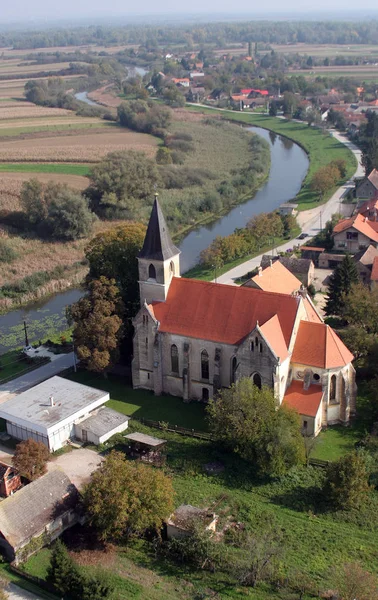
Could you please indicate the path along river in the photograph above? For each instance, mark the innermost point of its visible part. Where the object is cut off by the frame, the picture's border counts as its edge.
(289, 164)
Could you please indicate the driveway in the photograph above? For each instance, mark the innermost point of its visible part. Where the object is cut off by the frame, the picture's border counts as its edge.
(78, 465)
(20, 384)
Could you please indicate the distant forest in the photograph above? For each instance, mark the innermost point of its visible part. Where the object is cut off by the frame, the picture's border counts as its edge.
(219, 34)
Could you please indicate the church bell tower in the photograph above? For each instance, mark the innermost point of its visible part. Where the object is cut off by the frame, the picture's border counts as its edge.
(159, 259)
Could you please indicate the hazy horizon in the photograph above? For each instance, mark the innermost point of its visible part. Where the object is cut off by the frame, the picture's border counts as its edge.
(42, 13)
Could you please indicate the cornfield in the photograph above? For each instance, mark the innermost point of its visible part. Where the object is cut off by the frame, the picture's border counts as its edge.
(22, 112)
(66, 154)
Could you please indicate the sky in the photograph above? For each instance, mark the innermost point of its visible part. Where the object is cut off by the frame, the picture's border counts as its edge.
(35, 11)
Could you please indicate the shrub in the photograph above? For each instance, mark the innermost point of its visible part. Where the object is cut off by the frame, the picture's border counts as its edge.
(7, 253)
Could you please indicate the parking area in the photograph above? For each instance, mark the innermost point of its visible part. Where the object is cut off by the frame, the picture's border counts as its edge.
(78, 465)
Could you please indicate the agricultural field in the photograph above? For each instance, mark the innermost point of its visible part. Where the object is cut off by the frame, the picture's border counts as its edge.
(330, 50)
(76, 148)
(364, 72)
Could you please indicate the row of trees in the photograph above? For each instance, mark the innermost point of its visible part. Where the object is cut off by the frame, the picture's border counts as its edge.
(261, 230)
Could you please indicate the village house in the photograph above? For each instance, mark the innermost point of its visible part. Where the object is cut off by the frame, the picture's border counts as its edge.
(43, 509)
(368, 187)
(194, 337)
(364, 262)
(274, 278)
(354, 234)
(369, 209)
(10, 480)
(302, 268)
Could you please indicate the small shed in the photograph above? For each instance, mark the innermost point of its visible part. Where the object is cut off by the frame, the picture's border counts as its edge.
(101, 425)
(288, 208)
(10, 480)
(146, 447)
(180, 522)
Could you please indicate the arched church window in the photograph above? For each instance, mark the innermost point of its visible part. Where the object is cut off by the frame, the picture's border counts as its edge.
(172, 267)
(174, 359)
(332, 391)
(234, 364)
(257, 380)
(151, 272)
(204, 365)
(252, 346)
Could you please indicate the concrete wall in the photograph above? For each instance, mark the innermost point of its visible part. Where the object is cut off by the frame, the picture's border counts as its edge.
(341, 241)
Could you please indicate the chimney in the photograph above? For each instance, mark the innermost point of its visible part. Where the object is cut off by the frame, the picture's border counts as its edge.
(52, 401)
(270, 262)
(259, 269)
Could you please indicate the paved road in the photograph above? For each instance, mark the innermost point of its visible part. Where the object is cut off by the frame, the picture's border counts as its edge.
(310, 221)
(10, 389)
(16, 593)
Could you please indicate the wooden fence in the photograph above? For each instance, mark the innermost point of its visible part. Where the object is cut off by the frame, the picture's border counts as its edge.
(318, 462)
(201, 435)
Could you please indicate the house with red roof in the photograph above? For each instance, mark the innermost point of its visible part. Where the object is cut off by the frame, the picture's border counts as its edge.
(193, 338)
(355, 234)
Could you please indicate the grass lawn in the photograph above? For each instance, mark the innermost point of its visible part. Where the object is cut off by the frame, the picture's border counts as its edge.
(143, 404)
(321, 148)
(314, 540)
(29, 167)
(334, 442)
(13, 364)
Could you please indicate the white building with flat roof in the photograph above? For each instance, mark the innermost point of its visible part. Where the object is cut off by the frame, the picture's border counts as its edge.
(49, 411)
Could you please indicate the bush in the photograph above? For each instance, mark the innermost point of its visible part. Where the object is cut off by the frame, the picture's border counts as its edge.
(7, 254)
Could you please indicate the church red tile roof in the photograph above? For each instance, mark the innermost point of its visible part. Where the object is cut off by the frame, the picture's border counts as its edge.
(305, 402)
(222, 313)
(272, 332)
(317, 345)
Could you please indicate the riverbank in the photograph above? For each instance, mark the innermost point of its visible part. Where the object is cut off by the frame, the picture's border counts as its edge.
(320, 147)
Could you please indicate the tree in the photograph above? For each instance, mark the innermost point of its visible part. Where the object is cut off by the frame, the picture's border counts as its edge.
(273, 110)
(126, 497)
(340, 285)
(113, 254)
(347, 481)
(31, 458)
(69, 217)
(245, 420)
(324, 179)
(97, 319)
(147, 117)
(164, 156)
(290, 103)
(361, 307)
(32, 201)
(60, 569)
(354, 583)
(173, 97)
(120, 183)
(260, 553)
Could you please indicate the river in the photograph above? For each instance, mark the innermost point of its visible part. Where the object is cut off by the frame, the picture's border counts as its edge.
(289, 164)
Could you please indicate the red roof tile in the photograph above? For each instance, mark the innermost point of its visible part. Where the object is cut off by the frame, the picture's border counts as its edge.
(312, 248)
(305, 402)
(373, 178)
(272, 332)
(374, 271)
(359, 223)
(222, 313)
(311, 313)
(277, 278)
(317, 345)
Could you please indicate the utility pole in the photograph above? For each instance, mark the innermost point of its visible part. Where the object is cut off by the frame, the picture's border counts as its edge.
(26, 334)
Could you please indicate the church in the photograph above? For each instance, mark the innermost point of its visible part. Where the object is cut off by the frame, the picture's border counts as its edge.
(193, 338)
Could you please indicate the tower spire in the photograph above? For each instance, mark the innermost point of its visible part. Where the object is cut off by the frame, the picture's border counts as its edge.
(157, 243)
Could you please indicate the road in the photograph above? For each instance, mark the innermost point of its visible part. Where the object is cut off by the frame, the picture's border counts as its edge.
(16, 593)
(310, 221)
(20, 384)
